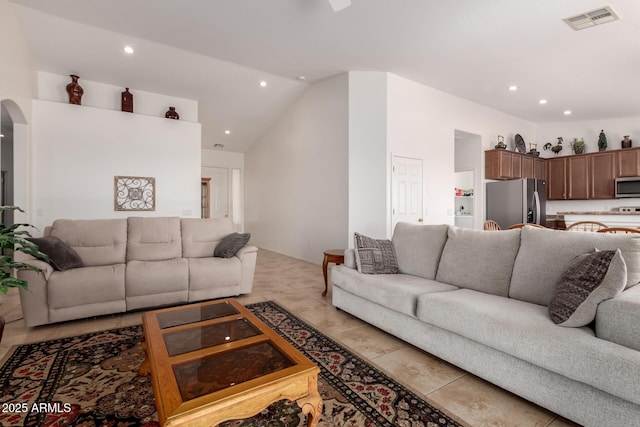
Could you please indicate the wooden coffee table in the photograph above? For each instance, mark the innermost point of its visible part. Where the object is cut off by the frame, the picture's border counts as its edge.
(215, 361)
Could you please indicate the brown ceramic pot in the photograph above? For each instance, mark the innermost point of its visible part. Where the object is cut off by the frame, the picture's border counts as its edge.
(75, 91)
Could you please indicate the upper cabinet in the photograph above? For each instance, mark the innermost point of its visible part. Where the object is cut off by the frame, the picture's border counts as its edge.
(627, 162)
(602, 178)
(502, 164)
(575, 177)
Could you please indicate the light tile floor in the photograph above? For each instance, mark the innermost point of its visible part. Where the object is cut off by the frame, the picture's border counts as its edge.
(297, 286)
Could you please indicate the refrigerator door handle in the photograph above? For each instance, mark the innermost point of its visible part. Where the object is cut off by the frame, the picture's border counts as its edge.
(537, 199)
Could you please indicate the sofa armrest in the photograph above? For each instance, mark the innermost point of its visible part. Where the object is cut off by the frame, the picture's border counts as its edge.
(246, 249)
(46, 268)
(247, 256)
(618, 319)
(34, 299)
(350, 258)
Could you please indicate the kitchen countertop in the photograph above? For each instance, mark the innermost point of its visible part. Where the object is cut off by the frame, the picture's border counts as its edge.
(597, 213)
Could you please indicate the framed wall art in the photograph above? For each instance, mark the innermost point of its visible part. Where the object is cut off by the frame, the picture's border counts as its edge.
(134, 193)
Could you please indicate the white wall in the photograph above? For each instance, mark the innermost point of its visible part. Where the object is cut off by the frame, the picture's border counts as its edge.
(614, 129)
(369, 157)
(77, 151)
(17, 83)
(422, 122)
(296, 184)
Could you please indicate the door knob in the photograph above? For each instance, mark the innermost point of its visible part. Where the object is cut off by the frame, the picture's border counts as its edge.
(419, 219)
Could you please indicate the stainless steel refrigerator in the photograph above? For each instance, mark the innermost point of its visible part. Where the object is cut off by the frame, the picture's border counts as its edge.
(517, 201)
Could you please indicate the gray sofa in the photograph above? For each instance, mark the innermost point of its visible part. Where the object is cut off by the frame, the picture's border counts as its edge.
(478, 299)
(133, 263)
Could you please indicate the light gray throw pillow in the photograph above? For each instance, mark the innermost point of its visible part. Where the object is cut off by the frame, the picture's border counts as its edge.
(590, 279)
(374, 256)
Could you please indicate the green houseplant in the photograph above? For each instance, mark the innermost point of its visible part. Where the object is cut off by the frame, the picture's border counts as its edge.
(13, 239)
(579, 146)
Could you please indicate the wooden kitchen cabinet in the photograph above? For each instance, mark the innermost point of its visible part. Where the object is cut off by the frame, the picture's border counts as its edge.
(527, 167)
(539, 168)
(627, 162)
(503, 164)
(497, 164)
(568, 178)
(602, 168)
(578, 177)
(556, 178)
(574, 177)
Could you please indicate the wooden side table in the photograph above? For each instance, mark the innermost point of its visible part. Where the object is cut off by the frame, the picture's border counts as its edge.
(335, 256)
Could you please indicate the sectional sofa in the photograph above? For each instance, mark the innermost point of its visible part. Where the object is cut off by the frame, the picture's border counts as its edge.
(133, 263)
(479, 299)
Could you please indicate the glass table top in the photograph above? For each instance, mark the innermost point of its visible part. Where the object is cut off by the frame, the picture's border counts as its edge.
(192, 339)
(216, 372)
(188, 315)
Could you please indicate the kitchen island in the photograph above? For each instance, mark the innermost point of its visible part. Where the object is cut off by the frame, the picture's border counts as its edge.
(610, 218)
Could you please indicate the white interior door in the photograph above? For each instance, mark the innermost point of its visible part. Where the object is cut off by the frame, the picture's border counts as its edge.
(219, 192)
(406, 190)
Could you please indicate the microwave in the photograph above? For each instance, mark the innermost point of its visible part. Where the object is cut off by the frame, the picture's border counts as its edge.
(628, 187)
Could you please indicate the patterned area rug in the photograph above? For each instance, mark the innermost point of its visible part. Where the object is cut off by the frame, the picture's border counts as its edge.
(92, 380)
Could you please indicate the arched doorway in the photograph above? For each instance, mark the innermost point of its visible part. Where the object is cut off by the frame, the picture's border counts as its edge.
(14, 187)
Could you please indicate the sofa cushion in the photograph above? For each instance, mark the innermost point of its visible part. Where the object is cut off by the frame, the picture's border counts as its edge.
(418, 248)
(201, 236)
(97, 241)
(525, 331)
(478, 259)
(545, 255)
(87, 285)
(590, 279)
(231, 244)
(398, 292)
(157, 277)
(61, 256)
(374, 256)
(154, 239)
(226, 272)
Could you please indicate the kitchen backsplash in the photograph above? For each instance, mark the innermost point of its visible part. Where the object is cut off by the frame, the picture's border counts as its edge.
(555, 206)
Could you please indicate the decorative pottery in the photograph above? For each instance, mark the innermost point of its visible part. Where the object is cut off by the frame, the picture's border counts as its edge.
(127, 101)
(501, 145)
(172, 114)
(75, 91)
(626, 142)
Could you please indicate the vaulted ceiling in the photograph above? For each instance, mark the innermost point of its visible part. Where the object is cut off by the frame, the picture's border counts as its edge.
(216, 51)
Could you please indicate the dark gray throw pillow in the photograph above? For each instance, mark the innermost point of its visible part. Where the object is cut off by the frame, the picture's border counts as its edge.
(375, 256)
(61, 256)
(231, 244)
(590, 279)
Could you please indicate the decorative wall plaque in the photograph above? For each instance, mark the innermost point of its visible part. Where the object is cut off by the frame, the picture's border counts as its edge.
(134, 193)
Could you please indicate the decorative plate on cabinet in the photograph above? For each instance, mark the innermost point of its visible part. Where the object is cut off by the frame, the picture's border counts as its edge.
(520, 145)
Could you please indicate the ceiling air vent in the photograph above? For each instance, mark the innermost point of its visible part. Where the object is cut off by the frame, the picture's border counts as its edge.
(590, 19)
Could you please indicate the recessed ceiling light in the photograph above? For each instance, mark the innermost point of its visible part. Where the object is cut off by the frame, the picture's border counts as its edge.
(227, 132)
(263, 84)
(301, 78)
(567, 112)
(513, 88)
(542, 101)
(128, 49)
